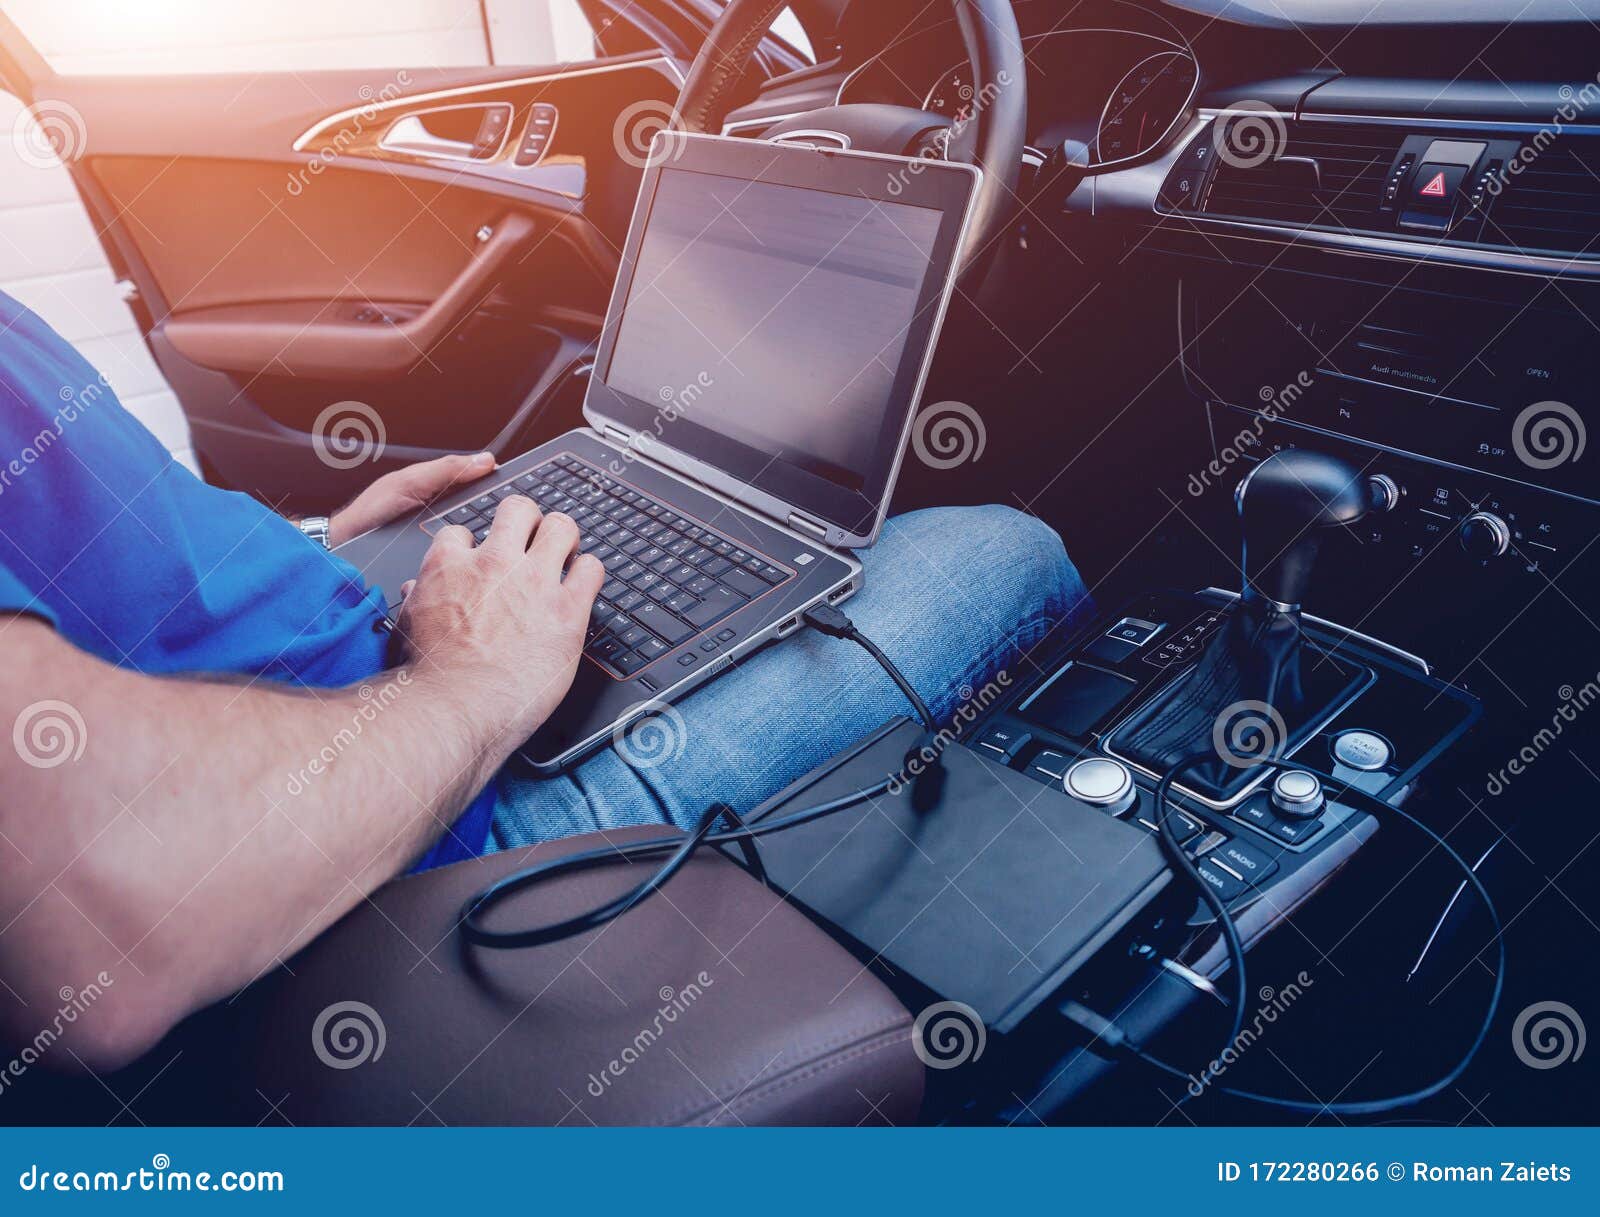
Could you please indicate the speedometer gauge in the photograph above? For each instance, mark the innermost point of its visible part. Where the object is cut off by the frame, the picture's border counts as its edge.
(1144, 106)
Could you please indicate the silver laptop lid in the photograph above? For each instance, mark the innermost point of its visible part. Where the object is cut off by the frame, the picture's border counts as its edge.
(774, 319)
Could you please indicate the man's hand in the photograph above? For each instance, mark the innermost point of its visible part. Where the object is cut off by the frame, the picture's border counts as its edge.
(404, 491)
(500, 619)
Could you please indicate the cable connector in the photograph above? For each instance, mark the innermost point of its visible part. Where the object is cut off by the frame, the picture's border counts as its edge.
(827, 619)
(1100, 1029)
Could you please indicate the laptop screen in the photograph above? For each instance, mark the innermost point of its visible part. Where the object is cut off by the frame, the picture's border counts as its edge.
(775, 314)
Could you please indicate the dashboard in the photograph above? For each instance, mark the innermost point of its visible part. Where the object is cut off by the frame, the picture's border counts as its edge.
(1418, 237)
(1118, 94)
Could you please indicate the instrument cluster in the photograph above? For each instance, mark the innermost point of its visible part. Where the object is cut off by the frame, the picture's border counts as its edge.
(1119, 93)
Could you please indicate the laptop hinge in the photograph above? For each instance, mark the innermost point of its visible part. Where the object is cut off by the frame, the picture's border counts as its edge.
(799, 523)
(616, 433)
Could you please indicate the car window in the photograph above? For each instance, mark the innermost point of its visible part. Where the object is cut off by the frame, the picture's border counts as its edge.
(182, 36)
(789, 28)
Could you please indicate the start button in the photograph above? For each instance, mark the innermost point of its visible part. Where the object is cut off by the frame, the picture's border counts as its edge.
(1363, 750)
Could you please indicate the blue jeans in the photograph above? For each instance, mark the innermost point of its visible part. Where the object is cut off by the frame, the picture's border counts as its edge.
(953, 595)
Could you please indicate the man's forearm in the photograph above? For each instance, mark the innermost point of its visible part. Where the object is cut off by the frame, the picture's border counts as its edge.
(209, 830)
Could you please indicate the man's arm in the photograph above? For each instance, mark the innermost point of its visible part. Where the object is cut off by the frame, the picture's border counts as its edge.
(209, 830)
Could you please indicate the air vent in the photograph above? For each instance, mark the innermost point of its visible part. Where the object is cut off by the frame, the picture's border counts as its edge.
(1323, 175)
(1553, 203)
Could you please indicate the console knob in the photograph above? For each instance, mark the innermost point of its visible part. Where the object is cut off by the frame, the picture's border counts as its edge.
(1385, 492)
(1484, 535)
(1101, 782)
(1297, 794)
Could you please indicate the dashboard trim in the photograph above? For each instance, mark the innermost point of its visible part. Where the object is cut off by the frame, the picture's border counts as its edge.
(1411, 455)
(1370, 245)
(1470, 124)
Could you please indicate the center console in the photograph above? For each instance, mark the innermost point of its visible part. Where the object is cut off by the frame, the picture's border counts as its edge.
(1015, 866)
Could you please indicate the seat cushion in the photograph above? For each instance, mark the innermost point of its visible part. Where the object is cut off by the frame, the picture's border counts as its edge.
(713, 1002)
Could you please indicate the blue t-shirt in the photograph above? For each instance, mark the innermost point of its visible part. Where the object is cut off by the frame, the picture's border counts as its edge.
(134, 559)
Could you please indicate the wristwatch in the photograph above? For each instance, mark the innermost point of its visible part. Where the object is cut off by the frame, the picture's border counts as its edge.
(315, 527)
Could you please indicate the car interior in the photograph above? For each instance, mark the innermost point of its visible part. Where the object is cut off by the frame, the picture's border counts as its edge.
(1264, 304)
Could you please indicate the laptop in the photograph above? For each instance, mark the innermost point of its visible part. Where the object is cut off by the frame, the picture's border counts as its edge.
(773, 321)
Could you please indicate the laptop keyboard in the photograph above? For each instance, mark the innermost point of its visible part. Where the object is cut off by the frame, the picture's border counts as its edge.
(670, 579)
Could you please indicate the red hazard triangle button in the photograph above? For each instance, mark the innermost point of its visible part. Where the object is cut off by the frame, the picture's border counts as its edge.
(1435, 189)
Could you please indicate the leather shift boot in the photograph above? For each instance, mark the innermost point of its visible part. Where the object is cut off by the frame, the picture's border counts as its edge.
(1253, 695)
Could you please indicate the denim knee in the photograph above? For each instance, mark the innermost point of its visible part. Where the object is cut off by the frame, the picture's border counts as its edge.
(968, 589)
(1016, 559)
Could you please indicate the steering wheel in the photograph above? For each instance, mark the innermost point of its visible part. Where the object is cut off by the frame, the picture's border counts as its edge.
(992, 138)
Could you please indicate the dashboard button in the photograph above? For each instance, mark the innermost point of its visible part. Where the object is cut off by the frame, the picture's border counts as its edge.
(1049, 767)
(1250, 863)
(1003, 742)
(1363, 750)
(1294, 832)
(1134, 630)
(1436, 185)
(1225, 883)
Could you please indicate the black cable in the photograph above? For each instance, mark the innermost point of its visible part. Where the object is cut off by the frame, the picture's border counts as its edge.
(1107, 1029)
(825, 618)
(1182, 862)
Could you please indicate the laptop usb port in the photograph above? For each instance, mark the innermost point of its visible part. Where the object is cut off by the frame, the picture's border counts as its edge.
(842, 594)
(788, 627)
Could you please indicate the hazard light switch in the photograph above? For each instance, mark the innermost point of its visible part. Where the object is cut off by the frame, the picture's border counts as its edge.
(1436, 185)
(1431, 197)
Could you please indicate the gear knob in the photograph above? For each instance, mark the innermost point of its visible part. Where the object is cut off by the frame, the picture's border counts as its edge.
(1285, 503)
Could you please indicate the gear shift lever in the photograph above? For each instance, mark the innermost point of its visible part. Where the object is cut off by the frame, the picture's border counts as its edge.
(1252, 669)
(1285, 503)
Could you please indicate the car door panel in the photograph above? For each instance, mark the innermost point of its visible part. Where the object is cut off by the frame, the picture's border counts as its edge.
(290, 266)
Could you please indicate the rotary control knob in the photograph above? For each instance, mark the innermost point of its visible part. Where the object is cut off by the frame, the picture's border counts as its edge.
(1103, 783)
(1296, 794)
(1485, 535)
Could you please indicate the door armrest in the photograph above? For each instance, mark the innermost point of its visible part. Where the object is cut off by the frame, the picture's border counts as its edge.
(713, 1002)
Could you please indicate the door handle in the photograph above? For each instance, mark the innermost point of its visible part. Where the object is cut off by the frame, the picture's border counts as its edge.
(410, 134)
(474, 131)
